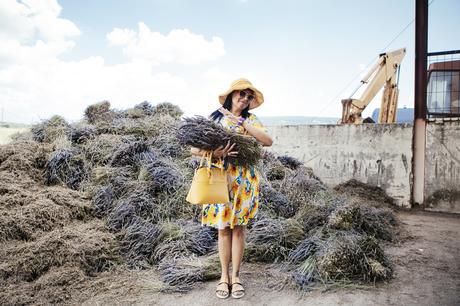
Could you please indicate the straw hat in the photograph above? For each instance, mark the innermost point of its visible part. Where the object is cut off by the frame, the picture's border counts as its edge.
(242, 84)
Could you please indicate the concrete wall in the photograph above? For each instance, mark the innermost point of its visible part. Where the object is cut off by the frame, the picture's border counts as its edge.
(442, 166)
(377, 154)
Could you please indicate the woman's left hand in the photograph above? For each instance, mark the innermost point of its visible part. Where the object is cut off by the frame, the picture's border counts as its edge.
(262, 137)
(230, 116)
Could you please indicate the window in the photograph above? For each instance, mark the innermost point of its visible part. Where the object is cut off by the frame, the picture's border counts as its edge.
(443, 93)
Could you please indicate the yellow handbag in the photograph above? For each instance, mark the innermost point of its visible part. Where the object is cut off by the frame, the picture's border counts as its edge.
(209, 185)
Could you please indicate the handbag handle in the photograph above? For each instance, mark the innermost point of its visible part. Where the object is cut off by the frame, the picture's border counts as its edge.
(202, 159)
(208, 162)
(208, 156)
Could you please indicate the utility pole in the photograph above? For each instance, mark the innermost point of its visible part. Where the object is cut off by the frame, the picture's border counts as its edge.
(419, 137)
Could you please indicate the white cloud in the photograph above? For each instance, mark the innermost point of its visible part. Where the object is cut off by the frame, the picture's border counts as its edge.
(34, 19)
(13, 52)
(31, 31)
(35, 83)
(215, 74)
(120, 37)
(180, 45)
(66, 88)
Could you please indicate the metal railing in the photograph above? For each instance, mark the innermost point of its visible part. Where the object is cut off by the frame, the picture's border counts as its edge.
(443, 84)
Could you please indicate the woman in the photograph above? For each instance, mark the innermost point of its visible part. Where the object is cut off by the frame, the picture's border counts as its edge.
(231, 218)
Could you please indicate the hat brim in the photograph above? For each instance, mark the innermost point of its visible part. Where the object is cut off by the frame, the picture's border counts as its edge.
(259, 97)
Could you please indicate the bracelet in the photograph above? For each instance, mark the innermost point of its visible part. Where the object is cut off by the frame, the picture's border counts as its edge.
(240, 121)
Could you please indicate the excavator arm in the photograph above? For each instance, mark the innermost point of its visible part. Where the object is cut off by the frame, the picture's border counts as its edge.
(382, 74)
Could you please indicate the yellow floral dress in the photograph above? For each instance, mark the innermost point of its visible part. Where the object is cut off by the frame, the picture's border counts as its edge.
(243, 186)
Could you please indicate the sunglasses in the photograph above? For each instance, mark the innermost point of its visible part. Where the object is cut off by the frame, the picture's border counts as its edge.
(250, 96)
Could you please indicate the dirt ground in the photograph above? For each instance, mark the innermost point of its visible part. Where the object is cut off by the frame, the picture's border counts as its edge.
(427, 272)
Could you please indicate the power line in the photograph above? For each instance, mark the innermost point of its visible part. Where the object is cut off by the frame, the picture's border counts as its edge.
(367, 66)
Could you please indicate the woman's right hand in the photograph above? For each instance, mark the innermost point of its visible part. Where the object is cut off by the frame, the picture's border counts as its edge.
(225, 151)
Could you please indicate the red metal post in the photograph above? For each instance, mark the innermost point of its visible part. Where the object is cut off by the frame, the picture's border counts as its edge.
(421, 46)
(419, 138)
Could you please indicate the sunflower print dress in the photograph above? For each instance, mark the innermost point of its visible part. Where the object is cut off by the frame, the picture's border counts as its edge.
(243, 186)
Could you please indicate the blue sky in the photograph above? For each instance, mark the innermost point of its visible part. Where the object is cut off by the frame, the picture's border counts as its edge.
(300, 54)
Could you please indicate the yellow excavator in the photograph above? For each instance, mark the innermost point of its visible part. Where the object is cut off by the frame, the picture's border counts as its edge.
(384, 73)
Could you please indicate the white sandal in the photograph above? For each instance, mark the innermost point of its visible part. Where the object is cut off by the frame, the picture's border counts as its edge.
(237, 294)
(226, 294)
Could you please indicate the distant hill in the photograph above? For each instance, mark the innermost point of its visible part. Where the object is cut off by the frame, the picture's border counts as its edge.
(13, 125)
(267, 120)
(297, 120)
(403, 115)
(7, 132)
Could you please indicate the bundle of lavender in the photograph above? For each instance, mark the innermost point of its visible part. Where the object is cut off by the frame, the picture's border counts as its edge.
(205, 134)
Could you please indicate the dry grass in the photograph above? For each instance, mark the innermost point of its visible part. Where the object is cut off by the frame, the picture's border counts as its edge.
(120, 181)
(85, 246)
(183, 273)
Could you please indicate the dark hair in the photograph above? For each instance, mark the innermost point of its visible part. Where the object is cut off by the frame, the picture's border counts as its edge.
(217, 116)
